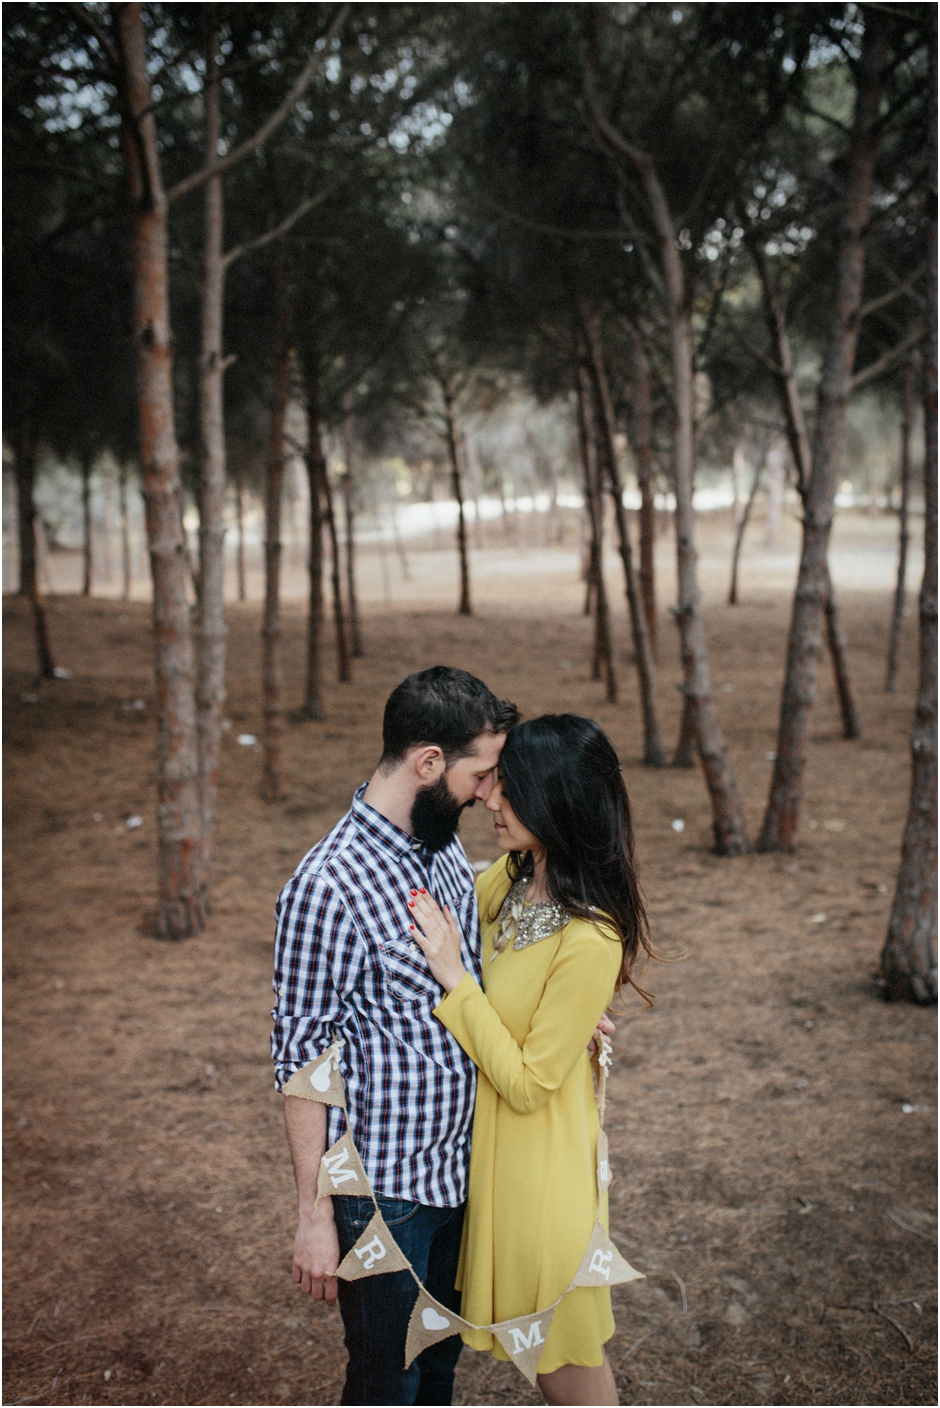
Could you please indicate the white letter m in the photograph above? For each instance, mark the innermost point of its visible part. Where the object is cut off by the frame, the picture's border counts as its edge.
(521, 1341)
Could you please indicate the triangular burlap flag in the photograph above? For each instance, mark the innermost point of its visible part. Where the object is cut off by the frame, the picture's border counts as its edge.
(524, 1338)
(341, 1171)
(430, 1321)
(602, 1264)
(374, 1254)
(603, 1164)
(320, 1080)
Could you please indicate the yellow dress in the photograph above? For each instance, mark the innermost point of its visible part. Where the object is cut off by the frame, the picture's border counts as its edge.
(533, 1194)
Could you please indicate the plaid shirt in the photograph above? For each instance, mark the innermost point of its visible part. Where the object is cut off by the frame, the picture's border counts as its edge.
(345, 963)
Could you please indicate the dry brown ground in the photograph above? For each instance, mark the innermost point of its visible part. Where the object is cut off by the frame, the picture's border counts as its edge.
(763, 1162)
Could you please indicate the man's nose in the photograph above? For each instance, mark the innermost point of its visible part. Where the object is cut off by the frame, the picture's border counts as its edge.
(484, 788)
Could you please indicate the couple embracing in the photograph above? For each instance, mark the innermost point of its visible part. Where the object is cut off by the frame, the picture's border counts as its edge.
(466, 1013)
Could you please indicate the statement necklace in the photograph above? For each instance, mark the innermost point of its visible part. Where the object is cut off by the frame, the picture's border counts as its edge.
(522, 924)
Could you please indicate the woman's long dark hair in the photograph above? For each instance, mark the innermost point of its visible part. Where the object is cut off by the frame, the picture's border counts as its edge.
(561, 777)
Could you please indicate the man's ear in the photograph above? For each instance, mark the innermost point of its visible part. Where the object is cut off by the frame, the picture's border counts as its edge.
(428, 763)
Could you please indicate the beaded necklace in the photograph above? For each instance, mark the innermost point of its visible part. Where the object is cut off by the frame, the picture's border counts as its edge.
(522, 924)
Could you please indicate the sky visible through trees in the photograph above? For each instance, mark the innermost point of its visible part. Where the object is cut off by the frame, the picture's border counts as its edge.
(595, 256)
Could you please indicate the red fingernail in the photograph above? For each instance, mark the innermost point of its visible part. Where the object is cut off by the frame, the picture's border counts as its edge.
(423, 890)
(411, 904)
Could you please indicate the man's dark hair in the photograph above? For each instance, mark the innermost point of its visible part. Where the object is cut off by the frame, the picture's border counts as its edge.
(447, 707)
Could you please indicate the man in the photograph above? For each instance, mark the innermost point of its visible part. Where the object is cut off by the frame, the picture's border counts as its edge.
(346, 967)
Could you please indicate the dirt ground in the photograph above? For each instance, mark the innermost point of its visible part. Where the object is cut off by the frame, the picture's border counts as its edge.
(772, 1121)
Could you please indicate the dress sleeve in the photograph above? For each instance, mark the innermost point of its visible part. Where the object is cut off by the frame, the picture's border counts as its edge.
(579, 988)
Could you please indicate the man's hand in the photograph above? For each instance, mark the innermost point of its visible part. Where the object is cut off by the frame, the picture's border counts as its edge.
(605, 1027)
(316, 1254)
(436, 933)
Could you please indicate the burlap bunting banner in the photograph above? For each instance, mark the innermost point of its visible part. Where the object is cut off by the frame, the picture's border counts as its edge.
(374, 1254)
(430, 1321)
(603, 1165)
(320, 1080)
(524, 1338)
(602, 1264)
(341, 1171)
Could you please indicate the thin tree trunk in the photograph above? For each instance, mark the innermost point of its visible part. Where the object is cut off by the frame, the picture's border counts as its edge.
(839, 652)
(727, 812)
(739, 535)
(355, 626)
(343, 662)
(211, 631)
(240, 522)
(642, 437)
(653, 755)
(897, 615)
(126, 570)
(25, 450)
(684, 756)
(86, 525)
(180, 911)
(603, 655)
(813, 588)
(909, 957)
(798, 437)
(316, 475)
(272, 784)
(464, 608)
(108, 524)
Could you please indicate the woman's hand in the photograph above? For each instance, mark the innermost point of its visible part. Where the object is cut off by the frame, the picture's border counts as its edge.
(604, 1028)
(436, 934)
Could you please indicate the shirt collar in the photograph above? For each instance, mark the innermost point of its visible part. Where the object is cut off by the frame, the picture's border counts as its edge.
(381, 829)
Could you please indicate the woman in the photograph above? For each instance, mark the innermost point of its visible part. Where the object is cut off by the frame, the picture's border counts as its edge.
(563, 921)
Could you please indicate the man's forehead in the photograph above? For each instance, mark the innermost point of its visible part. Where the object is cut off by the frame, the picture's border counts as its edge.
(486, 748)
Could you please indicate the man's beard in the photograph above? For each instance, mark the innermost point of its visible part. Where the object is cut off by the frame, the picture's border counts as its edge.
(435, 815)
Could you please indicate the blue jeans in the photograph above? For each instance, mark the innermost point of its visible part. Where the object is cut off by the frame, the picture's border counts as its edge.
(376, 1309)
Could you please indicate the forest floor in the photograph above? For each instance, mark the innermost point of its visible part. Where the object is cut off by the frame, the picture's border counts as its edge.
(772, 1120)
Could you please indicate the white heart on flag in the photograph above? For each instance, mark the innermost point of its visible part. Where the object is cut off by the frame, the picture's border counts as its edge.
(432, 1321)
(320, 1078)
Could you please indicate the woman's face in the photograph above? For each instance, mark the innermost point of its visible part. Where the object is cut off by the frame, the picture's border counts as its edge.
(510, 832)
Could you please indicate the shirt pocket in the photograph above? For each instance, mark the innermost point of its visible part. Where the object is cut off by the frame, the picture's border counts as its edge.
(407, 975)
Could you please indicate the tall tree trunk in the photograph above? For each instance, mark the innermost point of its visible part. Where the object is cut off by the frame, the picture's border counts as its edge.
(211, 631)
(897, 614)
(316, 475)
(813, 587)
(343, 662)
(25, 452)
(745, 516)
(641, 426)
(653, 756)
(180, 912)
(798, 436)
(126, 569)
(684, 756)
(272, 784)
(108, 522)
(450, 417)
(727, 812)
(839, 652)
(909, 957)
(602, 664)
(86, 525)
(240, 528)
(349, 502)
